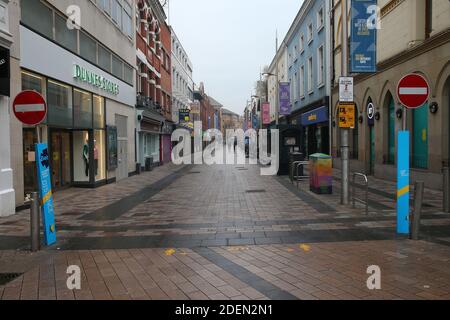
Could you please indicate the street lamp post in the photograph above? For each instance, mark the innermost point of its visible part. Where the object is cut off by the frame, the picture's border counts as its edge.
(277, 94)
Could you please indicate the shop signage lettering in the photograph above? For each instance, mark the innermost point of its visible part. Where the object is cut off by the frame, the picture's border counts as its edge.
(318, 115)
(4, 72)
(94, 79)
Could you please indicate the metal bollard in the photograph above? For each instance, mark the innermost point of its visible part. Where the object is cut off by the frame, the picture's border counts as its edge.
(418, 200)
(446, 189)
(35, 222)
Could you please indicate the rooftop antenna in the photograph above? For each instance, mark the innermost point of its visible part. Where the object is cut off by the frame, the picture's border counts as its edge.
(276, 41)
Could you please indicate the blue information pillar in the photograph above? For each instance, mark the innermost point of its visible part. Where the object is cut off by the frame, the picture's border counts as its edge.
(45, 193)
(403, 183)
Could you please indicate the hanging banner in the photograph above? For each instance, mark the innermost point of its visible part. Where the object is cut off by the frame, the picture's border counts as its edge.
(266, 113)
(363, 39)
(184, 115)
(255, 121)
(45, 193)
(285, 98)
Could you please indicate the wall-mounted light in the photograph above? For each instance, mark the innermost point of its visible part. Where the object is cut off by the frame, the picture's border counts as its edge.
(377, 116)
(399, 113)
(361, 119)
(334, 124)
(434, 107)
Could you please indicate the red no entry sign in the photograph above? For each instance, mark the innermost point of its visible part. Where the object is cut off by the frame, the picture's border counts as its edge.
(30, 107)
(413, 91)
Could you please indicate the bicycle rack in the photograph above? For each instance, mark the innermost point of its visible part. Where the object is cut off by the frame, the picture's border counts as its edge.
(366, 180)
(297, 177)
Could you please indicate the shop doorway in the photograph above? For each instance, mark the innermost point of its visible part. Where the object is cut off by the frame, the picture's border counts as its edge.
(29, 165)
(60, 148)
(122, 166)
(420, 137)
(372, 149)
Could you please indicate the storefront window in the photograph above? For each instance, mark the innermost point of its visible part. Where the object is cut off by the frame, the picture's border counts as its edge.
(59, 101)
(33, 82)
(99, 155)
(81, 158)
(82, 109)
(99, 112)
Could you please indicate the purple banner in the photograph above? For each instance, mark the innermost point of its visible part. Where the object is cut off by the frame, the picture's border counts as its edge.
(285, 98)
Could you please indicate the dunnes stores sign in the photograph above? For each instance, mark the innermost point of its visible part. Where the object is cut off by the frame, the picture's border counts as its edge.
(94, 79)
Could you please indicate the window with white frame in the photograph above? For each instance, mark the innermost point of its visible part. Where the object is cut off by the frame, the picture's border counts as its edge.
(310, 75)
(320, 66)
(302, 81)
(310, 32)
(302, 43)
(294, 92)
(320, 19)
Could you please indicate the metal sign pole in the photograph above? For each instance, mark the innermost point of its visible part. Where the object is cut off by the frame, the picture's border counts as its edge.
(344, 131)
(403, 178)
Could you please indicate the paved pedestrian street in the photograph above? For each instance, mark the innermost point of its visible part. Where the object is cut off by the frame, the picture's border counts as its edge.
(225, 232)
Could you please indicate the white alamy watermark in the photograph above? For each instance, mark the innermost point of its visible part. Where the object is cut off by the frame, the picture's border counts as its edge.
(234, 149)
(374, 280)
(73, 17)
(74, 280)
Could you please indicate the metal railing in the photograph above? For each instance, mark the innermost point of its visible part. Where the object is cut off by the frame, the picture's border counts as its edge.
(296, 165)
(354, 199)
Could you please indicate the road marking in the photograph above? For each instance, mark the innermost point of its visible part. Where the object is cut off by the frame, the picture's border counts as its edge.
(305, 247)
(169, 252)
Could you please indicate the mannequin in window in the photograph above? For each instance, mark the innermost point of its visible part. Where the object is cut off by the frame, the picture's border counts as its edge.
(86, 157)
(95, 157)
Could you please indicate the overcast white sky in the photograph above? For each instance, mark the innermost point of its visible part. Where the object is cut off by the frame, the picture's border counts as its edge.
(229, 41)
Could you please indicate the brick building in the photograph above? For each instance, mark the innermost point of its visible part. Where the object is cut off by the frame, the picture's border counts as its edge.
(154, 83)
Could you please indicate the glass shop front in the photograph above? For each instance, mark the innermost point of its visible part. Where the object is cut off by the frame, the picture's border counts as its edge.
(74, 130)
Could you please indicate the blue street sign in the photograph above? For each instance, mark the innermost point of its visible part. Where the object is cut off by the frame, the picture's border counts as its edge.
(45, 192)
(403, 183)
(363, 38)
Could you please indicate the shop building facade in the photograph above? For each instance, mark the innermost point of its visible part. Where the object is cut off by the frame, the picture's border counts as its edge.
(414, 38)
(308, 73)
(154, 85)
(86, 75)
(182, 82)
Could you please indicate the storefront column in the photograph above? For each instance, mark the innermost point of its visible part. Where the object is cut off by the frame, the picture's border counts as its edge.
(7, 194)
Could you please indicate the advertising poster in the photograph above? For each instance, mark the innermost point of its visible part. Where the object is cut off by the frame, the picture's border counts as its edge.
(45, 193)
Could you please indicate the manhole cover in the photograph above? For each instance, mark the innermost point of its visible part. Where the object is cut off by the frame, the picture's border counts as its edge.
(8, 277)
(256, 191)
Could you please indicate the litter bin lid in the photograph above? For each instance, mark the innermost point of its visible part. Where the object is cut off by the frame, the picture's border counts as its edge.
(320, 156)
